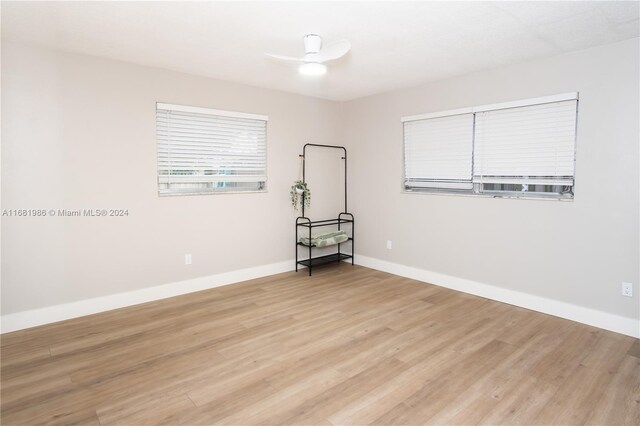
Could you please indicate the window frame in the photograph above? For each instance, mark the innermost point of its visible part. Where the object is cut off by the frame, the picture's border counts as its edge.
(219, 113)
(476, 191)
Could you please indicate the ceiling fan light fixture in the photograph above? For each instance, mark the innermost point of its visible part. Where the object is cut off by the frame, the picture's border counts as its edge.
(312, 68)
(315, 55)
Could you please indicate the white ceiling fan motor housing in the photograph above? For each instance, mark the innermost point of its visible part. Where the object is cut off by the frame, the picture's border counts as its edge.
(312, 43)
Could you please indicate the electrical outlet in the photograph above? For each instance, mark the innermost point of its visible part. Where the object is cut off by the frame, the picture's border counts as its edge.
(187, 259)
(627, 289)
(389, 244)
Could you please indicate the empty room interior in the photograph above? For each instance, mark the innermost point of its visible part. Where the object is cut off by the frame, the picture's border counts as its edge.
(320, 212)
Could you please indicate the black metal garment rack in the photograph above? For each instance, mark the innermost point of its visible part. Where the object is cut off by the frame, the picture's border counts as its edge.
(344, 219)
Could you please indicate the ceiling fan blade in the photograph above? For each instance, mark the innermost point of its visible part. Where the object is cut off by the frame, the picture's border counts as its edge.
(284, 57)
(333, 51)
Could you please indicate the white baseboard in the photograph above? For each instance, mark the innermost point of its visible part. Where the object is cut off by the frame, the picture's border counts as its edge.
(607, 321)
(35, 317)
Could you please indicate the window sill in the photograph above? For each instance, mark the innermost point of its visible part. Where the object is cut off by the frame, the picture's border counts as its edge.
(264, 191)
(506, 196)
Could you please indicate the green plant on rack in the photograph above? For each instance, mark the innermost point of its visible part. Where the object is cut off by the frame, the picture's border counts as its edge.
(299, 190)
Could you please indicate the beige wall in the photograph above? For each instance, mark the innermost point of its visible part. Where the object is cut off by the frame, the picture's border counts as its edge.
(79, 132)
(577, 252)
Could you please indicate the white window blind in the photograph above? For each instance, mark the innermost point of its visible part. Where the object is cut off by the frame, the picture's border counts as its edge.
(530, 145)
(522, 148)
(438, 152)
(207, 151)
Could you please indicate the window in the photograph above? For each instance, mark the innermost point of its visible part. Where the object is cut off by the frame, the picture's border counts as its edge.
(203, 151)
(523, 148)
(438, 153)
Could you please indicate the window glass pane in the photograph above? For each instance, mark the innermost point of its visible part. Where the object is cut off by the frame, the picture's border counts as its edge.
(206, 153)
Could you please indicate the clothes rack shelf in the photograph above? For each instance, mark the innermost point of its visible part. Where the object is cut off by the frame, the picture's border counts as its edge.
(344, 222)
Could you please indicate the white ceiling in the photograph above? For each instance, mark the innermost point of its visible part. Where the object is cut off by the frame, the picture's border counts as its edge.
(394, 44)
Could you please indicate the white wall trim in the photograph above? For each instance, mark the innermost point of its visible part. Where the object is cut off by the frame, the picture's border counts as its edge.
(605, 320)
(50, 314)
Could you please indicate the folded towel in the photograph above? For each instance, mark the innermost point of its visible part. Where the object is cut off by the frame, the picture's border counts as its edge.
(326, 239)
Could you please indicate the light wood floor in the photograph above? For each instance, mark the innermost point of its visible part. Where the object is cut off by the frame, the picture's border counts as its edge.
(347, 346)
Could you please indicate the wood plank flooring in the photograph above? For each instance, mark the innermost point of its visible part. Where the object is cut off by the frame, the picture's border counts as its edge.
(349, 345)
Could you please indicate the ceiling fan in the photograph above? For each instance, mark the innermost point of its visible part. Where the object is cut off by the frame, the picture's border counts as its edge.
(315, 55)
